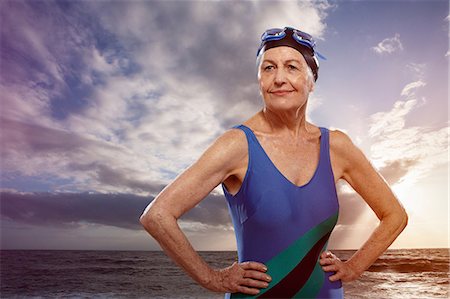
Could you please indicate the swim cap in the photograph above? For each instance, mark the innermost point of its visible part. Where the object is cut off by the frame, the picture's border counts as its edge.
(296, 39)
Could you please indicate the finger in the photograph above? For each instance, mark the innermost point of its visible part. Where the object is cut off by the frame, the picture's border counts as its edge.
(329, 268)
(257, 275)
(336, 276)
(246, 290)
(254, 283)
(326, 261)
(253, 266)
(325, 254)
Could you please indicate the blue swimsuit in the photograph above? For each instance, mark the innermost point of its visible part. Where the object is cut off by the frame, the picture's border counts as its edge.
(284, 226)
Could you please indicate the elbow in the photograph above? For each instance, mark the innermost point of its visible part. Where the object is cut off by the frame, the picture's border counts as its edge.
(404, 219)
(149, 220)
(144, 219)
(401, 220)
(398, 220)
(155, 221)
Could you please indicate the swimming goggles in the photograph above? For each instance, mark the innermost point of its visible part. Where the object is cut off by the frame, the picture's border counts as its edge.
(300, 37)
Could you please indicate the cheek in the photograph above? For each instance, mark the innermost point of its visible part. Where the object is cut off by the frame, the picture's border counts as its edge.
(302, 82)
(263, 84)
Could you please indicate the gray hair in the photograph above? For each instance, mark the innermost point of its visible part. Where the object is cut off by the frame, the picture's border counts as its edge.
(309, 70)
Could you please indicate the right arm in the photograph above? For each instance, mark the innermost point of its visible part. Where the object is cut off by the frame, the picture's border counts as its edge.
(160, 217)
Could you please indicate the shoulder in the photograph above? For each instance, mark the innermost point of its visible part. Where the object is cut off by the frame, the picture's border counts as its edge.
(339, 141)
(232, 140)
(343, 151)
(346, 154)
(228, 148)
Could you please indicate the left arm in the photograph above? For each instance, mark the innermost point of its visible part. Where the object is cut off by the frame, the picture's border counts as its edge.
(351, 165)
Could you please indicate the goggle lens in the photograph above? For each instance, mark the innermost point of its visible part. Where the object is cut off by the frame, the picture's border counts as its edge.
(301, 37)
(273, 34)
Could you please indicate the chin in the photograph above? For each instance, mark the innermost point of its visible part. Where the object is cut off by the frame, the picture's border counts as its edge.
(284, 104)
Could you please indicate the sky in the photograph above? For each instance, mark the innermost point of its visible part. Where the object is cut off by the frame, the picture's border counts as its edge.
(104, 103)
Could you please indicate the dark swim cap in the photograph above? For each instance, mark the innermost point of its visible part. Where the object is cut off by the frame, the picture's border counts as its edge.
(296, 39)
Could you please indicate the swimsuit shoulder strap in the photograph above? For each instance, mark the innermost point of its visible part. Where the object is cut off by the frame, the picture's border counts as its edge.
(251, 138)
(325, 159)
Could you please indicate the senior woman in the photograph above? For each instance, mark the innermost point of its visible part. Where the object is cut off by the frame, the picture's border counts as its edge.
(279, 173)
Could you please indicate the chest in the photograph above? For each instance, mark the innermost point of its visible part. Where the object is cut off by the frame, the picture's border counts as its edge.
(296, 161)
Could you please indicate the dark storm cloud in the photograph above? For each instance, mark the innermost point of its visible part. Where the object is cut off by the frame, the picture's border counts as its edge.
(119, 210)
(107, 175)
(37, 139)
(212, 210)
(66, 209)
(41, 141)
(394, 171)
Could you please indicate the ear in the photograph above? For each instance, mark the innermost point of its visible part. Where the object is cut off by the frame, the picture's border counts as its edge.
(312, 85)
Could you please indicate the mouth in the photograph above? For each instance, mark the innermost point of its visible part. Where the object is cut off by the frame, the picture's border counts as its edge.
(281, 92)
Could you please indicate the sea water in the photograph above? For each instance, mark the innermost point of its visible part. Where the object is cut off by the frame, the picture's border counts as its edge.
(406, 273)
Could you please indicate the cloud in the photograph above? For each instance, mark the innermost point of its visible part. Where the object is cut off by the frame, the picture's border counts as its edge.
(125, 106)
(353, 208)
(351, 205)
(391, 121)
(356, 218)
(404, 151)
(394, 171)
(417, 70)
(394, 120)
(118, 109)
(403, 154)
(389, 45)
(71, 210)
(85, 160)
(409, 90)
(354, 215)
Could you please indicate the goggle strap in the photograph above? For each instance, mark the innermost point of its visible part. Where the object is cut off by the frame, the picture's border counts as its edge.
(320, 55)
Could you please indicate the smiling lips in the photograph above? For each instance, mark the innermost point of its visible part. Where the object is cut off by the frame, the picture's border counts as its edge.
(281, 92)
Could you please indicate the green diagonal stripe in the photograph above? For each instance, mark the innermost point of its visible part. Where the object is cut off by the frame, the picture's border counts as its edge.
(314, 283)
(283, 263)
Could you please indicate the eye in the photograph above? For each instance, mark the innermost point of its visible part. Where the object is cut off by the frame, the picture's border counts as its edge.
(269, 67)
(292, 67)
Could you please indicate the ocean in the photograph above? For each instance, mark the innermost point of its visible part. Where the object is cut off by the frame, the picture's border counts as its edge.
(405, 273)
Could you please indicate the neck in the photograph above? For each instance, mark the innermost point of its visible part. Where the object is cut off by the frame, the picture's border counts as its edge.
(292, 122)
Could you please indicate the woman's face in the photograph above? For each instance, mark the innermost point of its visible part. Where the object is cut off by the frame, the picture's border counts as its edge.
(284, 79)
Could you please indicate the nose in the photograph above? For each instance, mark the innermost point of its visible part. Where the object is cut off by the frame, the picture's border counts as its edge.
(280, 76)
